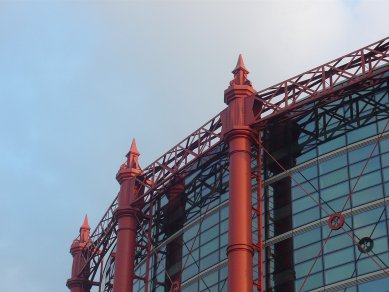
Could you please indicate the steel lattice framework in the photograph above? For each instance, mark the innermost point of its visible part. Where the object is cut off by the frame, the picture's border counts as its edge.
(359, 72)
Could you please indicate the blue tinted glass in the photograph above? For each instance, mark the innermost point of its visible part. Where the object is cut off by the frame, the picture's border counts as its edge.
(380, 245)
(335, 191)
(385, 172)
(189, 272)
(308, 173)
(339, 273)
(378, 285)
(339, 204)
(367, 195)
(361, 153)
(339, 257)
(305, 203)
(306, 156)
(366, 180)
(191, 288)
(209, 234)
(210, 221)
(367, 218)
(209, 260)
(362, 133)
(332, 145)
(385, 159)
(338, 242)
(303, 268)
(384, 144)
(333, 177)
(366, 265)
(306, 216)
(208, 281)
(209, 247)
(372, 164)
(379, 229)
(223, 226)
(312, 282)
(306, 238)
(307, 252)
(332, 164)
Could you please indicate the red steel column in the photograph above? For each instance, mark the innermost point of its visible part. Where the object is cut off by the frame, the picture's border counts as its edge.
(239, 137)
(127, 217)
(79, 282)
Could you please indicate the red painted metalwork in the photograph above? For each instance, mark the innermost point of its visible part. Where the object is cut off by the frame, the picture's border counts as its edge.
(239, 137)
(246, 110)
(324, 84)
(80, 282)
(127, 217)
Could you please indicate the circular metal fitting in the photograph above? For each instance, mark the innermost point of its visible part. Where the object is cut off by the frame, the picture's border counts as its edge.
(336, 221)
(175, 287)
(365, 245)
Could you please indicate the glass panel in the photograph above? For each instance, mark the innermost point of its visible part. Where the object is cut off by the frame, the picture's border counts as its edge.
(367, 195)
(339, 273)
(332, 164)
(332, 145)
(333, 177)
(306, 238)
(378, 285)
(306, 217)
(338, 257)
(362, 133)
(366, 181)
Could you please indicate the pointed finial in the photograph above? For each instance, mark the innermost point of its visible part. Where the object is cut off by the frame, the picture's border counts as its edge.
(240, 65)
(85, 225)
(84, 230)
(133, 149)
(132, 157)
(240, 73)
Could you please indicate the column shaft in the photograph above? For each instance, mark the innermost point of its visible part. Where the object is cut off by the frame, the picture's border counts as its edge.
(240, 251)
(126, 238)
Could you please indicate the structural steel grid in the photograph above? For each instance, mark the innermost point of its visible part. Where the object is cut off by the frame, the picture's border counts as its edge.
(285, 190)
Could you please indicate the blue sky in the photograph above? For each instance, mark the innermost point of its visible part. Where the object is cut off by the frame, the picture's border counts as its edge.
(80, 79)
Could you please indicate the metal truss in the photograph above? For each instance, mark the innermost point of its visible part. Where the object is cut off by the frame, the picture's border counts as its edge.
(323, 84)
(154, 179)
(203, 188)
(350, 112)
(365, 70)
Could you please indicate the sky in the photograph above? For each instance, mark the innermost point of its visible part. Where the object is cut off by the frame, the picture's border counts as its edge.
(80, 79)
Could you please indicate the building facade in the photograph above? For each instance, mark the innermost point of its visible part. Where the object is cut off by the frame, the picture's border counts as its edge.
(287, 189)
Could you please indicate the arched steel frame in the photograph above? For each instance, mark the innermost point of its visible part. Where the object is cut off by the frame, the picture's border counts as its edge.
(304, 96)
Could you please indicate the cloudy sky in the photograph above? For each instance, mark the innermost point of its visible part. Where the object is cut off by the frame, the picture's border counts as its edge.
(80, 79)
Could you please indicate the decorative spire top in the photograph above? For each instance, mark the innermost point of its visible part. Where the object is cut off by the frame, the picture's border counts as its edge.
(132, 156)
(85, 225)
(133, 149)
(240, 73)
(84, 230)
(240, 65)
